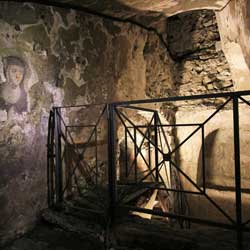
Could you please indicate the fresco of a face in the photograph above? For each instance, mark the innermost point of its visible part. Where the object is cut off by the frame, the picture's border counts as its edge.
(15, 75)
(12, 91)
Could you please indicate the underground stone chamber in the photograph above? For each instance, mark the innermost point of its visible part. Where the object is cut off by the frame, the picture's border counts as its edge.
(78, 151)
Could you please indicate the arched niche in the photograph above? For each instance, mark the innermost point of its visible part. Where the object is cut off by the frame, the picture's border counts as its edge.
(219, 159)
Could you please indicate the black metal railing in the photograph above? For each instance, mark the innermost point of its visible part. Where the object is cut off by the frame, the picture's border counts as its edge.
(155, 154)
(69, 172)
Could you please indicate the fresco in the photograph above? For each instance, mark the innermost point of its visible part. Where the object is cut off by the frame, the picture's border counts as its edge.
(12, 93)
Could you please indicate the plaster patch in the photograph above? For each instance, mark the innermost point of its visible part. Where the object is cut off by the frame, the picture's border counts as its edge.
(58, 23)
(7, 34)
(71, 18)
(82, 100)
(2, 76)
(33, 77)
(44, 122)
(3, 115)
(57, 93)
(238, 65)
(16, 135)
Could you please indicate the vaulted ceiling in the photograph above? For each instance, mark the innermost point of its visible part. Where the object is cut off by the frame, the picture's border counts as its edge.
(168, 7)
(232, 16)
(149, 13)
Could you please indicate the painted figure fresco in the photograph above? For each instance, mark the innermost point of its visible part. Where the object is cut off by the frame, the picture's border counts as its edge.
(12, 92)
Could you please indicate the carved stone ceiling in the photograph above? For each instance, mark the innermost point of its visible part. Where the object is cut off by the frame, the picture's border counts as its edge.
(168, 7)
(149, 13)
(232, 17)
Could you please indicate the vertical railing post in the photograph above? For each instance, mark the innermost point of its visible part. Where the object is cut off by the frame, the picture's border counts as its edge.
(50, 159)
(156, 146)
(52, 164)
(135, 154)
(111, 161)
(58, 152)
(149, 148)
(96, 157)
(203, 159)
(68, 167)
(237, 170)
(126, 154)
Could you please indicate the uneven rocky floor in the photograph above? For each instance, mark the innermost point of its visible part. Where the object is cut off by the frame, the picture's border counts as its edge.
(60, 231)
(46, 237)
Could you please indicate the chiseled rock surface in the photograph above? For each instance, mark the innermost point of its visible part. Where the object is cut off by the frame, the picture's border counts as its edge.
(219, 159)
(52, 56)
(194, 42)
(234, 25)
(128, 234)
(168, 7)
(45, 237)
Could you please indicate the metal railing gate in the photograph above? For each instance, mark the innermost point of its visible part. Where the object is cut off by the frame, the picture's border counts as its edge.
(147, 143)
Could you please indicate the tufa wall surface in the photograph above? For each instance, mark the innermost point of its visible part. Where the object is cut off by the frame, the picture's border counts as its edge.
(194, 42)
(234, 26)
(205, 69)
(50, 56)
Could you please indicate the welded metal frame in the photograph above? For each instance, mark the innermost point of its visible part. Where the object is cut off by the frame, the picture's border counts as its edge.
(166, 156)
(157, 150)
(50, 160)
(237, 225)
(113, 113)
(59, 133)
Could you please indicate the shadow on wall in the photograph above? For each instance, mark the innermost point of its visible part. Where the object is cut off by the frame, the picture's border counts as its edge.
(220, 177)
(210, 146)
(219, 161)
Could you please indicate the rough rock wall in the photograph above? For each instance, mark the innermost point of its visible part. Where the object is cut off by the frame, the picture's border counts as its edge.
(218, 158)
(194, 42)
(234, 25)
(50, 56)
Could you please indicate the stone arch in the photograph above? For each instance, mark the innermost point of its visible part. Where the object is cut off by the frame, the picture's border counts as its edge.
(219, 160)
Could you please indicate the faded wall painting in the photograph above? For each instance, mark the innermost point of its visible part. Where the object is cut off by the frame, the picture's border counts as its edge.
(12, 93)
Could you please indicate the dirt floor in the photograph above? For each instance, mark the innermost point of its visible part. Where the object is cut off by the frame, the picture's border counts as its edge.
(47, 237)
(58, 231)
